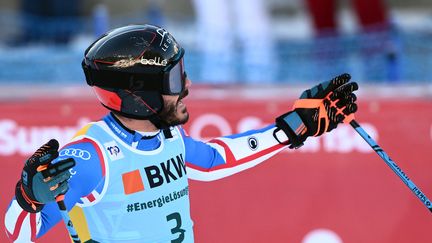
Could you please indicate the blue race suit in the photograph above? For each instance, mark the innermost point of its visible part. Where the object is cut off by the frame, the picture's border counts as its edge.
(129, 186)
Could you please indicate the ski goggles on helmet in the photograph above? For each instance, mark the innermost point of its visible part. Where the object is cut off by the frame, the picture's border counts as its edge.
(175, 79)
(169, 80)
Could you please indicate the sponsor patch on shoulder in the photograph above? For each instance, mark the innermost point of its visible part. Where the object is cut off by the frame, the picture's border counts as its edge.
(114, 151)
(253, 143)
(75, 152)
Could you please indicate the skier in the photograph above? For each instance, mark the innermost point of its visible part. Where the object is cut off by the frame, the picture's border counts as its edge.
(124, 178)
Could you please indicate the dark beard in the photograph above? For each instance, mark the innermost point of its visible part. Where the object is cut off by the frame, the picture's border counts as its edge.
(169, 117)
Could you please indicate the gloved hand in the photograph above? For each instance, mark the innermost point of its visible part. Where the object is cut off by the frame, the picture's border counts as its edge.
(41, 181)
(319, 109)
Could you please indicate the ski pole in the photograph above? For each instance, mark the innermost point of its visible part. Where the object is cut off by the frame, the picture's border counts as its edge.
(66, 219)
(63, 211)
(396, 169)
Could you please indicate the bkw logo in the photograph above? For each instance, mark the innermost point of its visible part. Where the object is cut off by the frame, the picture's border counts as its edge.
(157, 175)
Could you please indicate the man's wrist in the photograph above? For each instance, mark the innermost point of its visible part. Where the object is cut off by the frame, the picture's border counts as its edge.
(294, 128)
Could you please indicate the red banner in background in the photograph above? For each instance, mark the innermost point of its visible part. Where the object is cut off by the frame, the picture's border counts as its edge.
(334, 189)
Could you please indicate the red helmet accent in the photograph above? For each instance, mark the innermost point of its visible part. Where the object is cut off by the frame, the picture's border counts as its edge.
(108, 98)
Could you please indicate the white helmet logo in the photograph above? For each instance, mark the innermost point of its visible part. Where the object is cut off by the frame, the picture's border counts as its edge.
(155, 61)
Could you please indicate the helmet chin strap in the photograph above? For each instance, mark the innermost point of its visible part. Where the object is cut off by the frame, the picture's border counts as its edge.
(161, 124)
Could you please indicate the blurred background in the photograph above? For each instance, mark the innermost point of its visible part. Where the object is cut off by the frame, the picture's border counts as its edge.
(249, 60)
(229, 41)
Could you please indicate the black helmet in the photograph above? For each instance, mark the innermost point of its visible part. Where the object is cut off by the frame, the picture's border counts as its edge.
(130, 68)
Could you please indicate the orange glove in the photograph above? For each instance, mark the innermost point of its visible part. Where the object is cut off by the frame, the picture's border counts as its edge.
(319, 109)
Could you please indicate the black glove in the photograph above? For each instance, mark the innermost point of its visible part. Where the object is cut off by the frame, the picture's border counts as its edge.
(319, 109)
(41, 182)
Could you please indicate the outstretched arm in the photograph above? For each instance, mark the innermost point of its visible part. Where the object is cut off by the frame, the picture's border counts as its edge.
(224, 156)
(318, 110)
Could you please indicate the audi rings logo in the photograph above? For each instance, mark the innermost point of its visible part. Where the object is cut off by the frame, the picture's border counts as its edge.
(77, 153)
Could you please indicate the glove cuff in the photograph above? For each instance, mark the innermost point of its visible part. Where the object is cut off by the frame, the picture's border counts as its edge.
(292, 125)
(25, 201)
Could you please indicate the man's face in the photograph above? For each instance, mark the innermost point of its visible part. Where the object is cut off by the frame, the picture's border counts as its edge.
(175, 111)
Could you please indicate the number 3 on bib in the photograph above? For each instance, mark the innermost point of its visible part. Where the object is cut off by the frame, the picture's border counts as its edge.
(177, 229)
